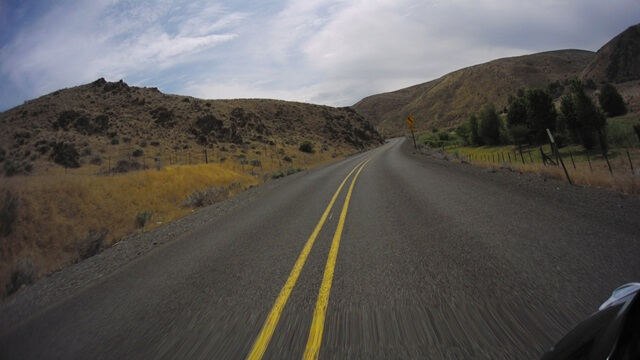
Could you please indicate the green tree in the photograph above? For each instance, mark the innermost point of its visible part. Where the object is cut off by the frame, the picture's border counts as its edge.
(474, 127)
(464, 133)
(611, 101)
(519, 133)
(517, 111)
(541, 113)
(490, 125)
(307, 146)
(583, 119)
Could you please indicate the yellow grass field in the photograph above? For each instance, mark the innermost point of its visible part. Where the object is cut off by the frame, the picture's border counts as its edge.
(57, 211)
(596, 175)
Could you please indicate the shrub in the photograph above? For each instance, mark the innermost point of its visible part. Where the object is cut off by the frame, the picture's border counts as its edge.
(163, 117)
(611, 101)
(490, 125)
(137, 152)
(96, 160)
(23, 273)
(287, 159)
(92, 244)
(277, 174)
(256, 162)
(307, 147)
(155, 143)
(3, 154)
(8, 213)
(124, 166)
(636, 128)
(291, 171)
(143, 217)
(11, 168)
(208, 123)
(206, 197)
(66, 155)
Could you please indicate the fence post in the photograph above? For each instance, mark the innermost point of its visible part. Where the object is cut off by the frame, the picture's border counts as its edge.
(589, 160)
(530, 157)
(555, 147)
(509, 155)
(206, 158)
(109, 165)
(630, 163)
(573, 162)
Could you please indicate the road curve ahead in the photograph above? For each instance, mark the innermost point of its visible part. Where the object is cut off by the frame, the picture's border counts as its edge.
(385, 255)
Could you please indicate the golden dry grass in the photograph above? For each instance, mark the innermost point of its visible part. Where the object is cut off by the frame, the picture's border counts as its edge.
(598, 175)
(59, 209)
(56, 212)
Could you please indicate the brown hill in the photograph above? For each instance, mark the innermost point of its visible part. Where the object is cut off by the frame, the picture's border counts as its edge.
(81, 125)
(449, 100)
(618, 61)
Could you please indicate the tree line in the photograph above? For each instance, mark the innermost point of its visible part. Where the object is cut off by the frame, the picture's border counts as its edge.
(530, 112)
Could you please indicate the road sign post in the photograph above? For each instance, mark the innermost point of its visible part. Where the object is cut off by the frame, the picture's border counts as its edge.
(410, 121)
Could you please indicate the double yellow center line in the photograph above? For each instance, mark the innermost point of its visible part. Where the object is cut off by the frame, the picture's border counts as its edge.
(315, 335)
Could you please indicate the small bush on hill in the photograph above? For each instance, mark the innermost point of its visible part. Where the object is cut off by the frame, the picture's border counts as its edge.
(208, 123)
(611, 101)
(92, 244)
(206, 197)
(8, 213)
(307, 147)
(143, 217)
(163, 117)
(66, 155)
(23, 273)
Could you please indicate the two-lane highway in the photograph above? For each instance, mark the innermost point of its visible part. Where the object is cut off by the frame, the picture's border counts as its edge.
(387, 254)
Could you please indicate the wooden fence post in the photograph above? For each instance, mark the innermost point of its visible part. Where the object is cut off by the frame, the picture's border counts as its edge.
(573, 162)
(555, 147)
(630, 163)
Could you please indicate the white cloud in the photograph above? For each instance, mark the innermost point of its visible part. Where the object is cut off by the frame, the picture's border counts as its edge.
(326, 51)
(79, 42)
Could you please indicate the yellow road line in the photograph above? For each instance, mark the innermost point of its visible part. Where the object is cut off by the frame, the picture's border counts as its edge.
(312, 350)
(262, 341)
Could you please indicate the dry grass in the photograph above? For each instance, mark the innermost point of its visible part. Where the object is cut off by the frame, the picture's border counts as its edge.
(597, 175)
(65, 217)
(56, 213)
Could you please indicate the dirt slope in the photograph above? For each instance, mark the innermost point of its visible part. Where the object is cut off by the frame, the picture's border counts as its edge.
(103, 117)
(452, 98)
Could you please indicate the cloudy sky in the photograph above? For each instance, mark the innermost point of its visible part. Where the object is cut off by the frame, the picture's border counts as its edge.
(320, 51)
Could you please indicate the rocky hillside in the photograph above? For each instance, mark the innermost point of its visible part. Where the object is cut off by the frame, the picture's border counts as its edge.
(449, 100)
(618, 61)
(452, 98)
(81, 125)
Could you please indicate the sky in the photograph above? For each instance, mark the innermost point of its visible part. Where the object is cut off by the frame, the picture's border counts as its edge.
(318, 51)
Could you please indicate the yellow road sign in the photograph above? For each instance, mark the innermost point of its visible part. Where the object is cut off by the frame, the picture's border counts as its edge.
(410, 120)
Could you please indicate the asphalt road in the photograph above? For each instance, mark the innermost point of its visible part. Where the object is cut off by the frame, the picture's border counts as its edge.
(435, 260)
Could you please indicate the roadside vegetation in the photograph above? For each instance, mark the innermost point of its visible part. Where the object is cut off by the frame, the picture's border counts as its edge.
(598, 142)
(52, 219)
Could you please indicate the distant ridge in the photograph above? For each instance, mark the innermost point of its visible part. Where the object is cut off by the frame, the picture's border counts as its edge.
(112, 117)
(451, 99)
